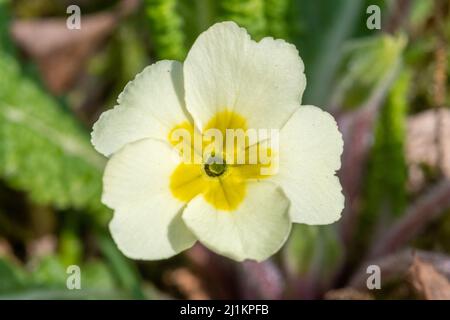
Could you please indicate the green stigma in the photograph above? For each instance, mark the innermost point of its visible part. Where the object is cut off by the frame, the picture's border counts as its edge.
(215, 166)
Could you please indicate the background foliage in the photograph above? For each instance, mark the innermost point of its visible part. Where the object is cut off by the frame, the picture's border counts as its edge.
(387, 88)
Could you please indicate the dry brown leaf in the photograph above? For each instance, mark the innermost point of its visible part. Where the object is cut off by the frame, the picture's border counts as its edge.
(5, 249)
(187, 283)
(43, 246)
(428, 282)
(59, 52)
(397, 266)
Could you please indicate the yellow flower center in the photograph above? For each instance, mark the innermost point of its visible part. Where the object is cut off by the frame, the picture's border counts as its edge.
(217, 176)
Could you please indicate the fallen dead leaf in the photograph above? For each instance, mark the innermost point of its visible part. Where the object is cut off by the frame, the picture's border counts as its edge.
(187, 283)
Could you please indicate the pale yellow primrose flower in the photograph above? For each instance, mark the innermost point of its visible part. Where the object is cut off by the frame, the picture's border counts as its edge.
(163, 205)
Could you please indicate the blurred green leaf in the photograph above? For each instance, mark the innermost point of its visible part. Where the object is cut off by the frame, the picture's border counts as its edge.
(47, 280)
(276, 16)
(97, 275)
(300, 248)
(420, 11)
(61, 294)
(11, 277)
(385, 195)
(49, 272)
(44, 151)
(124, 271)
(323, 26)
(70, 247)
(198, 15)
(387, 183)
(313, 251)
(123, 58)
(5, 43)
